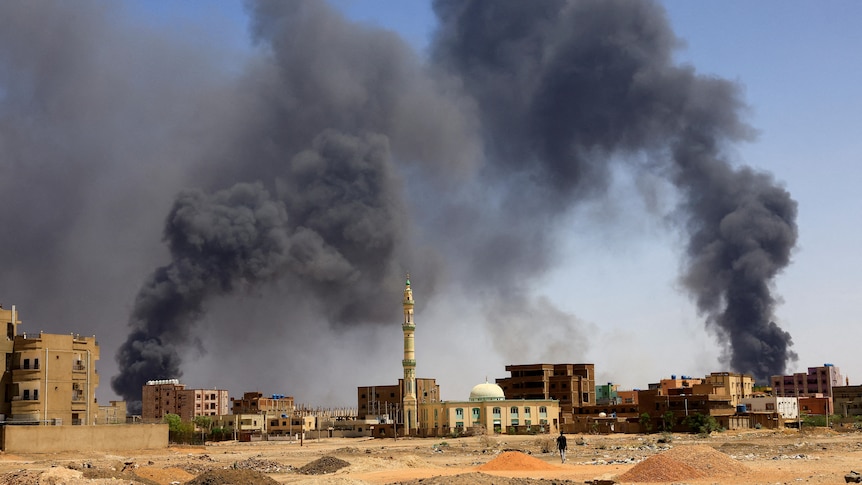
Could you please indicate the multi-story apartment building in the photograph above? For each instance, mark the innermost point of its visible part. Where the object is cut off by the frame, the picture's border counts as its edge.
(168, 396)
(573, 385)
(731, 384)
(255, 402)
(54, 379)
(818, 380)
(9, 320)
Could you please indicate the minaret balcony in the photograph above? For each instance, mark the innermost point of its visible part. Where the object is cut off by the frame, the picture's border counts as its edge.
(409, 302)
(408, 326)
(408, 363)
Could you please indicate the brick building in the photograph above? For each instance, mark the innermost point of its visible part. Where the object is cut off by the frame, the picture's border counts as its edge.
(573, 385)
(818, 380)
(168, 396)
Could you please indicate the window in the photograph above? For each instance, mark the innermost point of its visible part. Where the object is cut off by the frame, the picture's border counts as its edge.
(513, 410)
(26, 394)
(476, 415)
(459, 412)
(514, 421)
(35, 394)
(527, 410)
(26, 364)
(496, 412)
(586, 397)
(35, 363)
(543, 411)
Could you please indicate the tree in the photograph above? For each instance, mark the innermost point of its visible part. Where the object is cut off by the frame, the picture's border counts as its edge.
(701, 423)
(668, 420)
(646, 422)
(174, 421)
(203, 423)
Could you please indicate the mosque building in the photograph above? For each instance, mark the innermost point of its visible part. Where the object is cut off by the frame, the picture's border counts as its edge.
(413, 407)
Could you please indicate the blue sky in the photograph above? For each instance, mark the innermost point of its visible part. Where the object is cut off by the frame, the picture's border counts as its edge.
(798, 64)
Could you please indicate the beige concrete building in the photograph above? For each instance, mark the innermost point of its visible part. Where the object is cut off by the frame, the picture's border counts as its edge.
(54, 379)
(488, 411)
(733, 385)
(113, 413)
(9, 320)
(168, 396)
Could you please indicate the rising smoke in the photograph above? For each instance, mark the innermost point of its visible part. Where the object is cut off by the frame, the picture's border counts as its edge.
(333, 159)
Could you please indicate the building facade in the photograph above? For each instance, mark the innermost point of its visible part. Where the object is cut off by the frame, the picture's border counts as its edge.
(256, 402)
(573, 385)
(731, 384)
(386, 400)
(54, 379)
(9, 320)
(818, 380)
(113, 413)
(168, 396)
(489, 411)
(787, 407)
(847, 400)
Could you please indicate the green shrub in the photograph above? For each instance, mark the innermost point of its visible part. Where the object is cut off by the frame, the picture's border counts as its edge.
(701, 423)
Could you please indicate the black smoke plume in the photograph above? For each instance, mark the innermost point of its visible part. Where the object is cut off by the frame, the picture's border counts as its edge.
(333, 227)
(317, 167)
(566, 89)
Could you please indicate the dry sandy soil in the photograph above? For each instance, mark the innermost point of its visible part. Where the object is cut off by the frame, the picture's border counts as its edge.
(751, 457)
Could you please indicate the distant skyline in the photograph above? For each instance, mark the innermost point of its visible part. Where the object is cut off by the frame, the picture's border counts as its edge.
(617, 273)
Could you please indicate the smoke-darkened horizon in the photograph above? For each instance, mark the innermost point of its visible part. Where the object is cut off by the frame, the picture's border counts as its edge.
(335, 159)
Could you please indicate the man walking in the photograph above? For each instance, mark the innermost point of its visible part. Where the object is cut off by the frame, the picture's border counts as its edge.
(561, 445)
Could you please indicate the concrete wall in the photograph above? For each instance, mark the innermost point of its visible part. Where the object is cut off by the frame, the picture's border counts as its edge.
(51, 439)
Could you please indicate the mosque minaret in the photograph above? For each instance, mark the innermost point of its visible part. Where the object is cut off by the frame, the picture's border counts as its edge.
(409, 362)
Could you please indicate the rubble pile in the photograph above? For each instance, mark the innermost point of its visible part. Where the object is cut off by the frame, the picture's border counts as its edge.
(232, 477)
(322, 466)
(264, 466)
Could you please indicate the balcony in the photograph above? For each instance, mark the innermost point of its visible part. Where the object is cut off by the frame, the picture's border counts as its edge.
(408, 363)
(79, 368)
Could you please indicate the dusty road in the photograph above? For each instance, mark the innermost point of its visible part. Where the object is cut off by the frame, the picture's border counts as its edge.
(753, 457)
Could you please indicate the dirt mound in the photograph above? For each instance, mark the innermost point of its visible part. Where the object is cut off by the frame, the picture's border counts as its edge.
(515, 460)
(164, 476)
(482, 479)
(322, 466)
(685, 463)
(232, 477)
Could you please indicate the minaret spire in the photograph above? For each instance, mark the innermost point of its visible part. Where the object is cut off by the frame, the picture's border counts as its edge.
(409, 362)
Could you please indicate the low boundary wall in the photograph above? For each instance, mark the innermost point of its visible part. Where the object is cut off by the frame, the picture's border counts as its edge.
(51, 439)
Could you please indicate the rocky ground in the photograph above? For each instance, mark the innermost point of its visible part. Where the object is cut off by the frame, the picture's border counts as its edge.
(752, 457)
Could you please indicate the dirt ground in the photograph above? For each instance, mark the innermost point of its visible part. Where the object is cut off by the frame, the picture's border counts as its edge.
(749, 457)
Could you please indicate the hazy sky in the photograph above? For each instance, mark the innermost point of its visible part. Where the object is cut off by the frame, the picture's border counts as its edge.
(614, 277)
